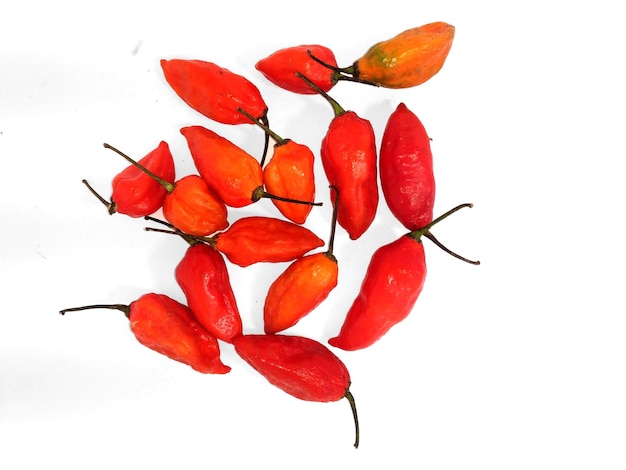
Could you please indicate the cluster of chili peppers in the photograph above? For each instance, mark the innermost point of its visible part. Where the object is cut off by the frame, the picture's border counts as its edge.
(198, 209)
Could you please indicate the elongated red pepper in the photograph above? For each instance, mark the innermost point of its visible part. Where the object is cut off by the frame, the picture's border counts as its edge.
(135, 193)
(393, 281)
(406, 169)
(301, 367)
(203, 277)
(170, 328)
(304, 285)
(281, 67)
(349, 159)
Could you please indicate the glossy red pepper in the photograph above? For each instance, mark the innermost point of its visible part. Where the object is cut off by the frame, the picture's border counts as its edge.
(281, 66)
(406, 169)
(349, 159)
(393, 281)
(304, 285)
(135, 193)
(203, 277)
(169, 328)
(189, 203)
(301, 367)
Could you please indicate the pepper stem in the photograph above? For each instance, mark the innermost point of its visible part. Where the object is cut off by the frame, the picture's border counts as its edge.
(111, 206)
(350, 399)
(266, 145)
(349, 74)
(333, 225)
(121, 307)
(279, 140)
(425, 231)
(191, 239)
(167, 185)
(337, 109)
(259, 193)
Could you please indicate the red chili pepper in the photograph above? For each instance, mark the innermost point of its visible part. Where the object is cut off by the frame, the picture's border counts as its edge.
(203, 277)
(304, 285)
(256, 239)
(392, 284)
(215, 91)
(406, 169)
(289, 174)
(189, 203)
(349, 159)
(169, 328)
(301, 367)
(234, 174)
(135, 193)
(281, 66)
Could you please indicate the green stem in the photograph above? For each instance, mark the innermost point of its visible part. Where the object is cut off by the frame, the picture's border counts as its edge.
(111, 206)
(121, 307)
(333, 225)
(259, 193)
(349, 74)
(167, 185)
(279, 140)
(191, 239)
(337, 109)
(350, 399)
(266, 144)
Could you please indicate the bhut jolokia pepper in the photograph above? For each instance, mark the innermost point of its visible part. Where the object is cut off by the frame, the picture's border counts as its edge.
(406, 169)
(135, 193)
(300, 366)
(189, 203)
(349, 158)
(281, 67)
(304, 285)
(215, 91)
(169, 328)
(289, 174)
(203, 277)
(406, 60)
(234, 174)
(257, 239)
(393, 282)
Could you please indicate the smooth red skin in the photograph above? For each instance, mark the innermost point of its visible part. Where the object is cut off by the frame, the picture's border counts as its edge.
(301, 367)
(204, 279)
(289, 174)
(169, 327)
(229, 170)
(195, 208)
(349, 159)
(280, 68)
(304, 285)
(406, 169)
(214, 91)
(137, 194)
(392, 284)
(256, 239)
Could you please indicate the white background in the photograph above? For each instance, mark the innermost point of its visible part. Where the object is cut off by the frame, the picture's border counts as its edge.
(514, 364)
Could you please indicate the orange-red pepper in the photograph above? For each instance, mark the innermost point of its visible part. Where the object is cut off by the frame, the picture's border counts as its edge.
(170, 328)
(135, 193)
(300, 366)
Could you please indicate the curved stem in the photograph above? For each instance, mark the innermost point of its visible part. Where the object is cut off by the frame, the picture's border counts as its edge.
(111, 206)
(167, 185)
(350, 399)
(349, 74)
(259, 193)
(121, 307)
(191, 239)
(279, 140)
(266, 144)
(333, 225)
(432, 238)
(337, 109)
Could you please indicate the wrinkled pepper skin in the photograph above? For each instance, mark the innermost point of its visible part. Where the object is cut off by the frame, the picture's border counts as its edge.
(170, 328)
(280, 68)
(408, 59)
(203, 277)
(135, 193)
(230, 171)
(214, 91)
(304, 285)
(393, 281)
(289, 174)
(301, 367)
(406, 169)
(257, 239)
(195, 208)
(349, 158)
